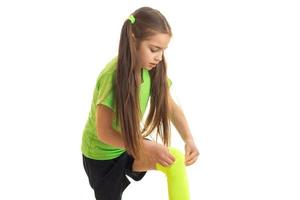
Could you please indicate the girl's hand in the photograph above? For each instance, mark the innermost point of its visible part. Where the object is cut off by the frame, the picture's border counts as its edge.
(157, 153)
(191, 152)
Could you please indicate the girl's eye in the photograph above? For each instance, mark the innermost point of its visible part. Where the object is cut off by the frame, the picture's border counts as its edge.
(153, 50)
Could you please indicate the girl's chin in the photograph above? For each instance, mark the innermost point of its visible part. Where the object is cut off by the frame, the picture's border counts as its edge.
(148, 67)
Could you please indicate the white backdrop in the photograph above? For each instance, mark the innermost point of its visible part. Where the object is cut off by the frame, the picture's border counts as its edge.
(235, 71)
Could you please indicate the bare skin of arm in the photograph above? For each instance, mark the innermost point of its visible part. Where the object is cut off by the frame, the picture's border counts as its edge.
(152, 152)
(178, 119)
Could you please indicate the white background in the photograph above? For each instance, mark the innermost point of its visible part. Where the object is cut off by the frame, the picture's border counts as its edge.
(235, 71)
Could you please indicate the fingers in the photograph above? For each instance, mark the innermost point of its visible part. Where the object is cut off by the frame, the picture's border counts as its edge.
(191, 161)
(171, 157)
(164, 163)
(167, 160)
(191, 158)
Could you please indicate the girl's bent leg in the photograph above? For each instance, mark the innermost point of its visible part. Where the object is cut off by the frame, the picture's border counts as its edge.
(142, 165)
(107, 177)
(178, 187)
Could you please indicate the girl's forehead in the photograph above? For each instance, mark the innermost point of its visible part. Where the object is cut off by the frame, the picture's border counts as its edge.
(160, 40)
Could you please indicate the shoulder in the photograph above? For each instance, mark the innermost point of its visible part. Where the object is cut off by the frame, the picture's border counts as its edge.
(107, 74)
(105, 85)
(111, 66)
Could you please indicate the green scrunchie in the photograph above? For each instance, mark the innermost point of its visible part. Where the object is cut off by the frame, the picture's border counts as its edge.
(132, 19)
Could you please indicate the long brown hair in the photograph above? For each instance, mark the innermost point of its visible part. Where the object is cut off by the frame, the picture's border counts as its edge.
(148, 23)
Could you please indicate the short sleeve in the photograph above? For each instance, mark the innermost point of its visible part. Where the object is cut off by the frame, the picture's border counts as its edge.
(105, 94)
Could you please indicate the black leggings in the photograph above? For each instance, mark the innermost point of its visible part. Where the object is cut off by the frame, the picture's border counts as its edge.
(108, 177)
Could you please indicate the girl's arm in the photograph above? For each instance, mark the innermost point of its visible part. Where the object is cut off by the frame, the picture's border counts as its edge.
(155, 152)
(179, 121)
(105, 132)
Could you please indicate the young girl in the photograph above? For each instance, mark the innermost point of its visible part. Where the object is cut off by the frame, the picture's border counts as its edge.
(113, 143)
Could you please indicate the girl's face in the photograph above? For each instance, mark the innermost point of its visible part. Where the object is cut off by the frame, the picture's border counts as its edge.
(150, 51)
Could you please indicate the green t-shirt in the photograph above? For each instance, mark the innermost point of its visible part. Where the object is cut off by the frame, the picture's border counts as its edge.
(91, 146)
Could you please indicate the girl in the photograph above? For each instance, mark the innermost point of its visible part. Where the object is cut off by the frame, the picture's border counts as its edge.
(113, 143)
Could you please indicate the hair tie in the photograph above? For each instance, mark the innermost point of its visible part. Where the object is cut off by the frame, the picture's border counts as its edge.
(132, 19)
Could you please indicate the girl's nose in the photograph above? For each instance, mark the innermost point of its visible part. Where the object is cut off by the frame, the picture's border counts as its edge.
(157, 59)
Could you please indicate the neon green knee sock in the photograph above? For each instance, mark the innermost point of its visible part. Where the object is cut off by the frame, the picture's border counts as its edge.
(178, 187)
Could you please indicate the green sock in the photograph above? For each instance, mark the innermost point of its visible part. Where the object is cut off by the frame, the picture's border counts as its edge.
(178, 187)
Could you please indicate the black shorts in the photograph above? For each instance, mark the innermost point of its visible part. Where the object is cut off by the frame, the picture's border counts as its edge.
(108, 177)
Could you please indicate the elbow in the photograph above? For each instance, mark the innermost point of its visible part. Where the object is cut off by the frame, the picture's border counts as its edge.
(101, 136)
(170, 111)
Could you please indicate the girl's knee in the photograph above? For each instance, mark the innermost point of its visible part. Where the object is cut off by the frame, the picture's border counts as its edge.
(178, 165)
(142, 165)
